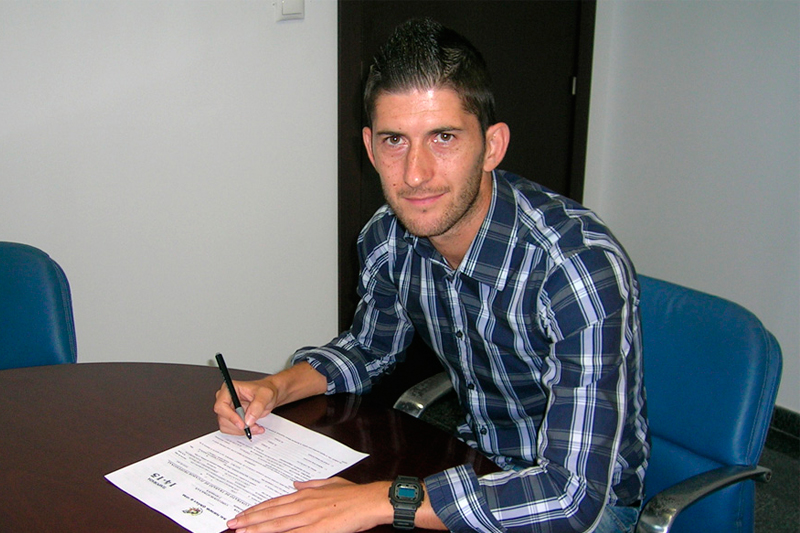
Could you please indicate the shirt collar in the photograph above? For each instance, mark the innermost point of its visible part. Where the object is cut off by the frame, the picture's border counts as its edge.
(488, 258)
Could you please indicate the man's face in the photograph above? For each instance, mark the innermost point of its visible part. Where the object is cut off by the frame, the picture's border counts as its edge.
(429, 153)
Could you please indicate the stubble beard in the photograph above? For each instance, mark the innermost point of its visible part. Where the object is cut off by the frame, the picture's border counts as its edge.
(459, 210)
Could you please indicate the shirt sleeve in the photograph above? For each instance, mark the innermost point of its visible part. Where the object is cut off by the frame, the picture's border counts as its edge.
(381, 329)
(587, 310)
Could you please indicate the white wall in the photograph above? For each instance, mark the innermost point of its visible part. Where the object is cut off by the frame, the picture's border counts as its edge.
(178, 159)
(694, 151)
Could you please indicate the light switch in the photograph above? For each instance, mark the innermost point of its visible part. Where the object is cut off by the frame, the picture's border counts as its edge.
(289, 9)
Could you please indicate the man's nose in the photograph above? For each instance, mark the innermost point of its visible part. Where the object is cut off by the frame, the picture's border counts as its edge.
(419, 166)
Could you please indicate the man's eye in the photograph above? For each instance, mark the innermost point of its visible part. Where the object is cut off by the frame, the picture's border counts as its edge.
(444, 137)
(394, 140)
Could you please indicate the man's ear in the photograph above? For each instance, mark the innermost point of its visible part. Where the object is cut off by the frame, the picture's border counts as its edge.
(497, 139)
(366, 134)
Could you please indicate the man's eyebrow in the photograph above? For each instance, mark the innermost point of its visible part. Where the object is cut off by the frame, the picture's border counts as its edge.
(442, 129)
(388, 132)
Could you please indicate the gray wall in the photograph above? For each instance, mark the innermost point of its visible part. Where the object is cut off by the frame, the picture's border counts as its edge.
(694, 151)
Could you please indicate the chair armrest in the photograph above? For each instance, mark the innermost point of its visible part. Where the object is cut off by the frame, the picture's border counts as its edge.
(661, 511)
(419, 397)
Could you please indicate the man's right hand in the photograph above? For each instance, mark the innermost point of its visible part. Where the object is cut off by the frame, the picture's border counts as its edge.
(261, 396)
(258, 398)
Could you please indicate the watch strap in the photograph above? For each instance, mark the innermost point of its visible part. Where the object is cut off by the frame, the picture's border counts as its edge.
(404, 518)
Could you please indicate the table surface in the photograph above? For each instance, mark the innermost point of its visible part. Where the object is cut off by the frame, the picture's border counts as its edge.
(65, 427)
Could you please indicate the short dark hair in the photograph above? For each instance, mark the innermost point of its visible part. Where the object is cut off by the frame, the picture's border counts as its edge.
(423, 54)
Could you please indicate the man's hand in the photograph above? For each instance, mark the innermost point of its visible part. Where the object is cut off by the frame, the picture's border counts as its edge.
(321, 506)
(258, 399)
(261, 396)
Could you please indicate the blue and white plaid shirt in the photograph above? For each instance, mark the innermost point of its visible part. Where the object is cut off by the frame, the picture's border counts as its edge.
(539, 331)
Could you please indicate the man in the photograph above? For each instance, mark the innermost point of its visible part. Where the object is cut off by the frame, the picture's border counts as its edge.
(528, 300)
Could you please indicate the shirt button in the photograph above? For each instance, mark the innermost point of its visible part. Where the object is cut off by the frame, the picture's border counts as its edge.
(484, 431)
(471, 386)
(459, 334)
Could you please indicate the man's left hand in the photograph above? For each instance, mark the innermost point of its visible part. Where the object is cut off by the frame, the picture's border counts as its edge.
(326, 506)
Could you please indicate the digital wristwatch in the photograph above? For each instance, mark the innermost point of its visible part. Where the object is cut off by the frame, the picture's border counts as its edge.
(406, 496)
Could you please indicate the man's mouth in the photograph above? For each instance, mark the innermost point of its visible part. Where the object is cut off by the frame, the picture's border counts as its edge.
(422, 199)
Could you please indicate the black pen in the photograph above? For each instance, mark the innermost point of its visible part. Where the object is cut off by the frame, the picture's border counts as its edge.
(236, 404)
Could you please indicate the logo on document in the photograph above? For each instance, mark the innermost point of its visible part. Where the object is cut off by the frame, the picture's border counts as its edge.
(193, 511)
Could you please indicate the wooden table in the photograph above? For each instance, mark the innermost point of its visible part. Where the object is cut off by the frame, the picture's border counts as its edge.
(64, 427)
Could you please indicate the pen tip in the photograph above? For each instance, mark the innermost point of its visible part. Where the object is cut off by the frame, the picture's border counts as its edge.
(247, 432)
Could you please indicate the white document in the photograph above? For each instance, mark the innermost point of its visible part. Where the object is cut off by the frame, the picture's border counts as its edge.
(207, 481)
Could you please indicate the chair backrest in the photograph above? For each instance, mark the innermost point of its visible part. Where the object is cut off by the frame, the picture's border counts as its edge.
(712, 372)
(36, 322)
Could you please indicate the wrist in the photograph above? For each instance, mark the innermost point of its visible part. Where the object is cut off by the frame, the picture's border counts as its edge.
(295, 383)
(383, 507)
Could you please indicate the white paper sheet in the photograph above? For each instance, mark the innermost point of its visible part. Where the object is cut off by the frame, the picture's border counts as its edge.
(205, 482)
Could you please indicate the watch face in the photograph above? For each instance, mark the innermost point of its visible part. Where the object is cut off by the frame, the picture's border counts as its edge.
(405, 491)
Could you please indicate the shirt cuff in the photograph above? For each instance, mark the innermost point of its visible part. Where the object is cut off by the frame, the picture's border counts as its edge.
(459, 501)
(303, 356)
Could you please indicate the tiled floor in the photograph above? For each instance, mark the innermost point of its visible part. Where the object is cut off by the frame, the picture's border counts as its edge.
(778, 502)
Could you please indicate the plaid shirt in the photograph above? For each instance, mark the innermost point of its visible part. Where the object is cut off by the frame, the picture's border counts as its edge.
(539, 331)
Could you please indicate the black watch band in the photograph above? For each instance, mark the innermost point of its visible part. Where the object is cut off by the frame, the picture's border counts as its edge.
(406, 495)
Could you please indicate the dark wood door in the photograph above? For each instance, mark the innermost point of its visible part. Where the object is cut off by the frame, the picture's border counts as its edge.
(539, 56)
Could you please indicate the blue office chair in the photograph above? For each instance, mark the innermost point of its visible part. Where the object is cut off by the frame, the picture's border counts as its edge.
(36, 322)
(712, 372)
